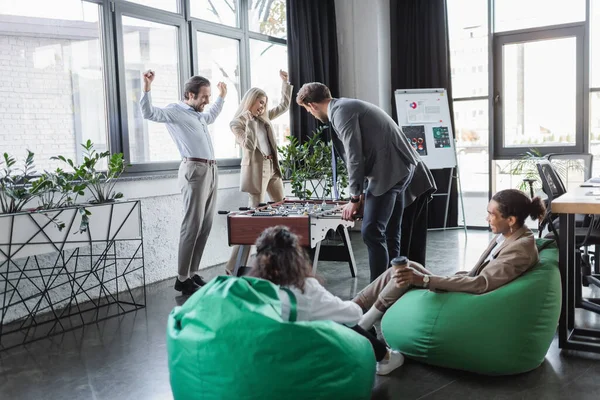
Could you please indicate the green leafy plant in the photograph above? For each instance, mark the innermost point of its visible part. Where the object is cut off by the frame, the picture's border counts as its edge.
(15, 183)
(60, 189)
(100, 183)
(308, 167)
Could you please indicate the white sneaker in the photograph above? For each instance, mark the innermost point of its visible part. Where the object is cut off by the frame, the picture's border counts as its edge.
(384, 366)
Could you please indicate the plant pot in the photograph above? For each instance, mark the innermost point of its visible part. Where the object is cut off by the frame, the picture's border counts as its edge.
(32, 233)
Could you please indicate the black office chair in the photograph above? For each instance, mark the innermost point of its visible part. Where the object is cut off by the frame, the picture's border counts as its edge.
(587, 234)
(553, 188)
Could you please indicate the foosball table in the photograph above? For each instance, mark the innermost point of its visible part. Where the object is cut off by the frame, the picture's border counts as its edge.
(311, 220)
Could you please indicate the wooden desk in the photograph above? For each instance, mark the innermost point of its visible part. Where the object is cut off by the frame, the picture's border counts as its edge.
(573, 202)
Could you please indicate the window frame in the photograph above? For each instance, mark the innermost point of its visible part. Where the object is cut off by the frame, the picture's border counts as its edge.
(133, 10)
(577, 30)
(114, 73)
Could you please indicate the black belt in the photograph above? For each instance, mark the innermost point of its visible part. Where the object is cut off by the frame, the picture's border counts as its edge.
(202, 160)
(267, 157)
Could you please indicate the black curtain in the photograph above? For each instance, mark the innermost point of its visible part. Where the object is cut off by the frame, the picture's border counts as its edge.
(312, 55)
(420, 55)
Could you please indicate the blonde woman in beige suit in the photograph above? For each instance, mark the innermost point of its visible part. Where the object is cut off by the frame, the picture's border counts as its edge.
(251, 125)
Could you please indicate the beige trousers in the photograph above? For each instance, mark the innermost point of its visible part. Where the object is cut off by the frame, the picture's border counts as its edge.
(383, 292)
(198, 184)
(271, 185)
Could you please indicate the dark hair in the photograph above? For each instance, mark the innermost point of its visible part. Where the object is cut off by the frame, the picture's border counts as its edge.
(513, 202)
(193, 85)
(280, 259)
(313, 92)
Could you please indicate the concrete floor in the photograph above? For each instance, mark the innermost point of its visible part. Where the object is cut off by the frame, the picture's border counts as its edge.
(125, 357)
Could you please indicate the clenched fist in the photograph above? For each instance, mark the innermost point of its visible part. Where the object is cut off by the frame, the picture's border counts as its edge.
(148, 79)
(222, 89)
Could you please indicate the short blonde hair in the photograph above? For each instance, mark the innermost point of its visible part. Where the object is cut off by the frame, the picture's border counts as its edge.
(313, 92)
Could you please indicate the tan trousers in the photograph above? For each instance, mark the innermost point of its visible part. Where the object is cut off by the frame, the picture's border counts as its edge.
(383, 292)
(198, 184)
(271, 185)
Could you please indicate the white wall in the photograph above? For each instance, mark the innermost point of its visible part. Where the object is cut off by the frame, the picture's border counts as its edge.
(363, 29)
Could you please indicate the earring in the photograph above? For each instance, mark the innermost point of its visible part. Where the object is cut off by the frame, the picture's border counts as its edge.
(511, 229)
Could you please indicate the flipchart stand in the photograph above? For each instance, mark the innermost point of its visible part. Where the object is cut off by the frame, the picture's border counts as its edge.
(424, 116)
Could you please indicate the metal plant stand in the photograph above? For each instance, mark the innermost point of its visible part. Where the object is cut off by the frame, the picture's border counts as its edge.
(48, 287)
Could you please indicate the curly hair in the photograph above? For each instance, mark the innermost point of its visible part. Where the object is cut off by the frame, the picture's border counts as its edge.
(280, 258)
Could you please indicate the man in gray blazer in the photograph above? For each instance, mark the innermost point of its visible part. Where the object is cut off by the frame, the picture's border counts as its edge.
(374, 148)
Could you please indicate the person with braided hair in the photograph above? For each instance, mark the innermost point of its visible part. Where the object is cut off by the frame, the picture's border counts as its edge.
(281, 260)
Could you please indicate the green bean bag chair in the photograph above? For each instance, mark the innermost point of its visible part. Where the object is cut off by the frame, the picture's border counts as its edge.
(228, 341)
(507, 331)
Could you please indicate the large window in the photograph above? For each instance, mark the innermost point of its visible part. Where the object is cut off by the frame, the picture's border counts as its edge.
(51, 79)
(469, 67)
(219, 11)
(594, 117)
(218, 60)
(513, 15)
(267, 59)
(72, 70)
(524, 67)
(538, 84)
(150, 46)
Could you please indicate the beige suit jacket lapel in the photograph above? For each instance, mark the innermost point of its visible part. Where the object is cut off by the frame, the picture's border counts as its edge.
(481, 260)
(481, 263)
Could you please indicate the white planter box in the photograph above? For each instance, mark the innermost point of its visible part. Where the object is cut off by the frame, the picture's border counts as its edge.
(32, 233)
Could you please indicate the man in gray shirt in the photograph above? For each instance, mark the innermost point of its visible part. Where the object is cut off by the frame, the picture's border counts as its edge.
(187, 124)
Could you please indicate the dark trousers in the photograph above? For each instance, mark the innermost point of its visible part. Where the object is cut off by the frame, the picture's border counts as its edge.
(414, 229)
(379, 347)
(382, 218)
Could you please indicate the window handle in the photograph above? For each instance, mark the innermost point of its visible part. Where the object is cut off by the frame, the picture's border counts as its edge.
(497, 98)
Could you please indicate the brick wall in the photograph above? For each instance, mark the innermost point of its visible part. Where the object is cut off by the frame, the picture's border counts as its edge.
(36, 98)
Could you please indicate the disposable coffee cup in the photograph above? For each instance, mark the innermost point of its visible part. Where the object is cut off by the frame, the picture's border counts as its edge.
(399, 262)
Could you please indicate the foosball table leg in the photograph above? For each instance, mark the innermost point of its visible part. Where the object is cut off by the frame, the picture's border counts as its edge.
(241, 259)
(346, 239)
(316, 257)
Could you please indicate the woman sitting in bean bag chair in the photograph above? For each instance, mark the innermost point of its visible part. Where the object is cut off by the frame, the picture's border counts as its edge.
(510, 254)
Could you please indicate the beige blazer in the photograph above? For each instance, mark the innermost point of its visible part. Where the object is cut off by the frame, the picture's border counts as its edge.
(252, 158)
(517, 254)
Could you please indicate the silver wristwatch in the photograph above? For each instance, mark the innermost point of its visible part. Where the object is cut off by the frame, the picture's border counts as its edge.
(426, 281)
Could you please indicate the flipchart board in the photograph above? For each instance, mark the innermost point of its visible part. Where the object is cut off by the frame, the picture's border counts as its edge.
(424, 116)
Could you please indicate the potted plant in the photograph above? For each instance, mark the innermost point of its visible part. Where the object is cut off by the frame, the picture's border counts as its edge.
(15, 183)
(41, 229)
(526, 167)
(99, 214)
(307, 166)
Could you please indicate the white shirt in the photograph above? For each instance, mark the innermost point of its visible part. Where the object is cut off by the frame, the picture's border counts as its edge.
(187, 127)
(499, 240)
(317, 304)
(263, 140)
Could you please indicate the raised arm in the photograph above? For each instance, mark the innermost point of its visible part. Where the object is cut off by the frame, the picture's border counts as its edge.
(150, 112)
(286, 95)
(244, 137)
(215, 109)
